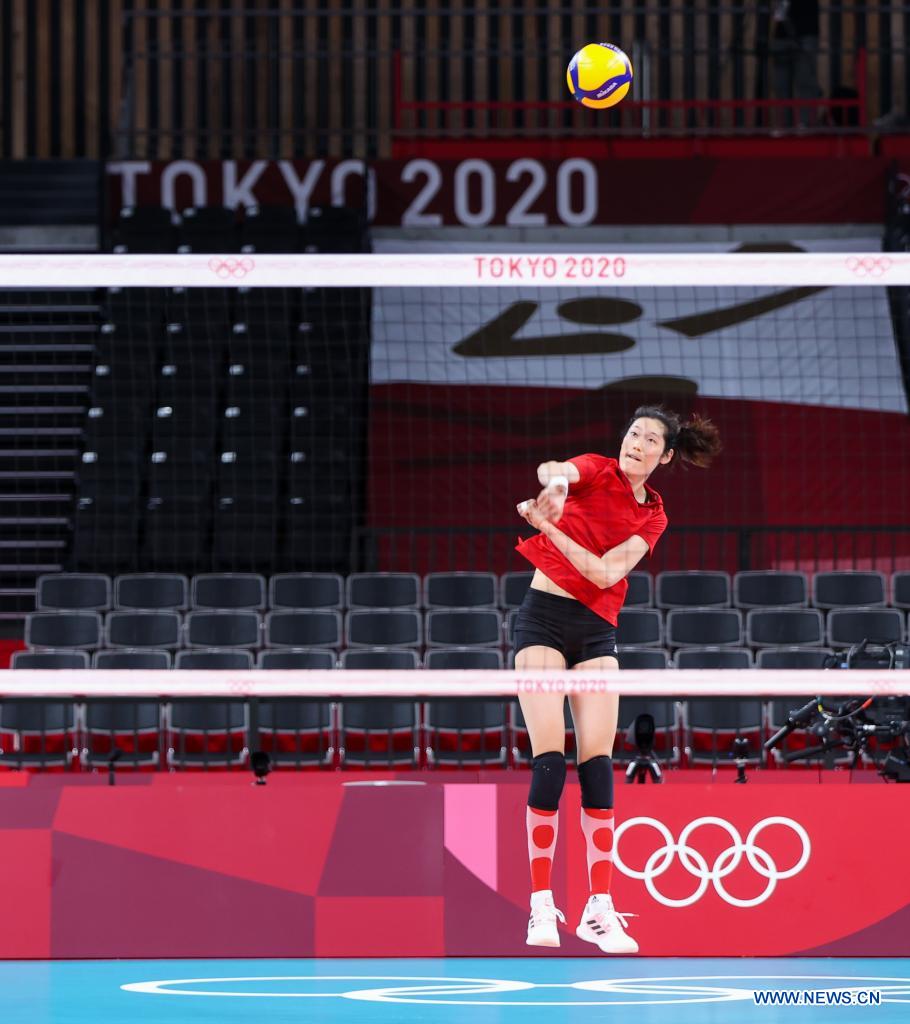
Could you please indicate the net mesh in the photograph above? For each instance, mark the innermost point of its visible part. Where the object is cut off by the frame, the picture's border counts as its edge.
(394, 428)
(385, 413)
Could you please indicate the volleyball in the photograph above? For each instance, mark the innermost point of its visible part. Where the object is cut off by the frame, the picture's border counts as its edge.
(599, 75)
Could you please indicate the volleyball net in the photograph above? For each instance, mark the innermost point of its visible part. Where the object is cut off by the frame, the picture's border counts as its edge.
(357, 719)
(386, 411)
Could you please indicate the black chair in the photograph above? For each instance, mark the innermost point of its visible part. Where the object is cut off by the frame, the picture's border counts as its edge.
(784, 627)
(511, 619)
(296, 660)
(49, 659)
(379, 733)
(793, 657)
(63, 629)
(128, 730)
(297, 733)
(142, 629)
(391, 659)
(513, 587)
(105, 534)
(713, 657)
(208, 229)
(643, 658)
(770, 588)
(694, 589)
(189, 423)
(713, 723)
(464, 627)
(214, 659)
(306, 590)
(667, 725)
(37, 733)
(176, 529)
(151, 590)
(229, 590)
(212, 628)
(704, 627)
(848, 626)
(269, 229)
(641, 590)
(129, 659)
(204, 734)
(466, 733)
(639, 627)
(206, 308)
(383, 590)
(848, 589)
(900, 590)
(71, 591)
(483, 659)
(146, 229)
(399, 627)
(244, 534)
(460, 590)
(317, 627)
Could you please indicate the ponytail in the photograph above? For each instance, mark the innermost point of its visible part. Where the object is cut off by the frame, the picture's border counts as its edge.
(697, 441)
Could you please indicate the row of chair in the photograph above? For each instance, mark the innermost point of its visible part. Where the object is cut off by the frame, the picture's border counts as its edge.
(668, 590)
(402, 658)
(225, 230)
(300, 733)
(450, 627)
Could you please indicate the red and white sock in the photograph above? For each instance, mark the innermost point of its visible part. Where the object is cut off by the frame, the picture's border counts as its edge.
(543, 827)
(597, 826)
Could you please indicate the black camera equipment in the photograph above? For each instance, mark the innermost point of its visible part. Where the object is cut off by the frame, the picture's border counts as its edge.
(261, 764)
(740, 755)
(853, 724)
(644, 765)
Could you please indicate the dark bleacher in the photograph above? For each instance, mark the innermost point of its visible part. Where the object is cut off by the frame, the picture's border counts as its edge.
(225, 426)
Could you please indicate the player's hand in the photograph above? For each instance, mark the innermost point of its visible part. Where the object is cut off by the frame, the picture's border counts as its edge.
(530, 511)
(551, 503)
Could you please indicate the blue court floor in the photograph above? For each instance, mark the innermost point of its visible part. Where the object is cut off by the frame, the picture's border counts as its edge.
(523, 991)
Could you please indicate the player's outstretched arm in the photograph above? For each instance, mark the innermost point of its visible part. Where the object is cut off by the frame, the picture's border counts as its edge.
(604, 571)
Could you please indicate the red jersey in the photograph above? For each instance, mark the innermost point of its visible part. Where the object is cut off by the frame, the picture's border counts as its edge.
(600, 512)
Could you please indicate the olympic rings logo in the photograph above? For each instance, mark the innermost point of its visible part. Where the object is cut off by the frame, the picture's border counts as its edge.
(869, 266)
(231, 267)
(725, 863)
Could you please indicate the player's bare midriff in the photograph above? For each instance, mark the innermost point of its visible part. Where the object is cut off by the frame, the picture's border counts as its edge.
(544, 583)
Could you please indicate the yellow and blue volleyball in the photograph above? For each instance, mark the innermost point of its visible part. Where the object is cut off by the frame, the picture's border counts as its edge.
(599, 75)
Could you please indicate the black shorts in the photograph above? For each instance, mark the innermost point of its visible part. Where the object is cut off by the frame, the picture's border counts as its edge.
(566, 625)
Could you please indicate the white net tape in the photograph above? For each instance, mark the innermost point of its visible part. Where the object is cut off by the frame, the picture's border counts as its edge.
(454, 270)
(677, 684)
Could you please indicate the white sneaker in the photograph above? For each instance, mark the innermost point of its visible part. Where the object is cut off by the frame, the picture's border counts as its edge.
(542, 930)
(605, 927)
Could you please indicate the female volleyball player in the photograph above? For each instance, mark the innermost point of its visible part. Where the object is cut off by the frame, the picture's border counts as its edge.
(597, 517)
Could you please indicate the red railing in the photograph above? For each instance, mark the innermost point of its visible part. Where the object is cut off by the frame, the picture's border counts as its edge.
(645, 118)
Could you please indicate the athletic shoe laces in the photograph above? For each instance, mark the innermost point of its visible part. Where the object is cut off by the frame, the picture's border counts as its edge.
(546, 913)
(604, 913)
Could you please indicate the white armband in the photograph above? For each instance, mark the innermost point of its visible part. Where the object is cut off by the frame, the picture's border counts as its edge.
(558, 481)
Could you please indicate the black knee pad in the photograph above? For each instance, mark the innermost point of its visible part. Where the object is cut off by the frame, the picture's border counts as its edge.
(595, 776)
(548, 776)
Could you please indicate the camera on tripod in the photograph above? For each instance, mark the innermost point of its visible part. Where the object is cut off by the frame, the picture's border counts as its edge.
(853, 724)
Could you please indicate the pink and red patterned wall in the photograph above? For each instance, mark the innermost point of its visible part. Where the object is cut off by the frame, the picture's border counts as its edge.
(210, 866)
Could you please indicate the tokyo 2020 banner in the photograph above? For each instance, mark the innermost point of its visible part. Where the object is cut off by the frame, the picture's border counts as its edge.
(159, 866)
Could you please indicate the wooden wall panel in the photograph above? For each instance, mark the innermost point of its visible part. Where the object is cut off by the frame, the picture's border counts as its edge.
(287, 77)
